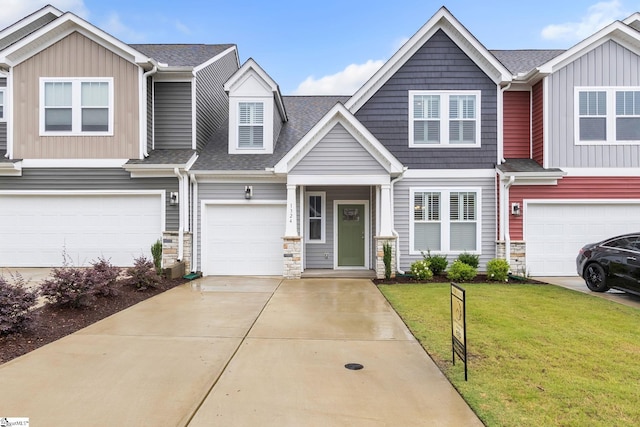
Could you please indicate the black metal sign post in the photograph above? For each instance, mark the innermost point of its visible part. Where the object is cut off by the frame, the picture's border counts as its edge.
(459, 325)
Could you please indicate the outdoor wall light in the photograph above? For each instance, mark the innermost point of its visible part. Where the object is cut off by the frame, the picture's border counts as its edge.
(515, 209)
(248, 192)
(173, 198)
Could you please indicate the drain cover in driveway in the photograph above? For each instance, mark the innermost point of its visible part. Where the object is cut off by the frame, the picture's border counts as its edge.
(353, 366)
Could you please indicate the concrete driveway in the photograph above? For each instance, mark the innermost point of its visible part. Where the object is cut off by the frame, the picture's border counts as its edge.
(238, 352)
(576, 283)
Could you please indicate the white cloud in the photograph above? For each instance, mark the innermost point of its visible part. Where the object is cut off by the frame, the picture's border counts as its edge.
(14, 10)
(598, 16)
(183, 28)
(114, 26)
(345, 82)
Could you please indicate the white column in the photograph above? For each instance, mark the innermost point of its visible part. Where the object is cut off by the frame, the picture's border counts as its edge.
(385, 210)
(291, 229)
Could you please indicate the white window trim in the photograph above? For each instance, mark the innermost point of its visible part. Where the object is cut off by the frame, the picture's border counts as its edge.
(323, 213)
(610, 117)
(3, 91)
(444, 118)
(445, 218)
(267, 126)
(76, 105)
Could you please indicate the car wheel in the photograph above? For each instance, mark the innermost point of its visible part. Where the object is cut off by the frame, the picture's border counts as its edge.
(595, 278)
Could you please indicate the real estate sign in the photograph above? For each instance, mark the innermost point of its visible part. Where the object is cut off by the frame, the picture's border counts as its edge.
(459, 325)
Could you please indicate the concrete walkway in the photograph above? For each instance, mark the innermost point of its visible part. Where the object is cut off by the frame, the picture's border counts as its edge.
(238, 352)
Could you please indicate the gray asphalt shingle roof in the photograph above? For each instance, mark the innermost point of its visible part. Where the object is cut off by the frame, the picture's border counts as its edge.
(303, 111)
(524, 166)
(165, 157)
(525, 60)
(181, 55)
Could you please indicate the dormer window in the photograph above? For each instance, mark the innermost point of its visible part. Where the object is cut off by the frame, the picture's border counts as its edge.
(251, 125)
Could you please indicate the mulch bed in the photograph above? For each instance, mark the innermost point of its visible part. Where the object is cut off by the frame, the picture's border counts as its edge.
(52, 323)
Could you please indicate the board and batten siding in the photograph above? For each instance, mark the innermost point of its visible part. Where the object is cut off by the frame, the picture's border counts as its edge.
(91, 179)
(173, 124)
(403, 208)
(212, 102)
(315, 252)
(76, 56)
(340, 154)
(438, 65)
(234, 192)
(609, 64)
(517, 127)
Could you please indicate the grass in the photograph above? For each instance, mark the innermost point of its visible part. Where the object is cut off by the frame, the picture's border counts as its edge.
(538, 355)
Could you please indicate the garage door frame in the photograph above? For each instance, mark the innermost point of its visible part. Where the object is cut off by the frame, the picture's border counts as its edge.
(528, 202)
(94, 193)
(204, 204)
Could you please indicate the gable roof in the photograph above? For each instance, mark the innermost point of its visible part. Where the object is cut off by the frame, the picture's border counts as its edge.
(27, 25)
(445, 21)
(182, 55)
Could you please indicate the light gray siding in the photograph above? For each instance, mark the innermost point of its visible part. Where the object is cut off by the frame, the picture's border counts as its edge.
(149, 114)
(607, 65)
(173, 120)
(234, 191)
(403, 208)
(314, 252)
(277, 125)
(60, 179)
(212, 102)
(339, 154)
(438, 65)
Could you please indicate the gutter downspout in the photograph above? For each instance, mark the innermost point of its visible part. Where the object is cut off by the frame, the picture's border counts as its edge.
(180, 213)
(145, 89)
(393, 230)
(505, 222)
(194, 228)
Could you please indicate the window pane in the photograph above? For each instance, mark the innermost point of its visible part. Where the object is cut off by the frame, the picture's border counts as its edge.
(426, 132)
(593, 129)
(426, 107)
(315, 229)
(95, 119)
(463, 236)
(250, 136)
(462, 107)
(251, 113)
(628, 129)
(462, 132)
(57, 119)
(57, 94)
(427, 236)
(95, 94)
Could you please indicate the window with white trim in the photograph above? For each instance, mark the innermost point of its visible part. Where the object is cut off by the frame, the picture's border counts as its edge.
(444, 118)
(445, 220)
(316, 217)
(76, 106)
(251, 125)
(2, 104)
(607, 115)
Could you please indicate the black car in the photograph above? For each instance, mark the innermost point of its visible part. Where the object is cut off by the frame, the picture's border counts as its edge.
(612, 263)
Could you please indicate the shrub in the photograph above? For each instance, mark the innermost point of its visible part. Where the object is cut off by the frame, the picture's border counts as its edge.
(69, 287)
(420, 270)
(498, 270)
(16, 302)
(156, 252)
(437, 263)
(103, 278)
(461, 272)
(469, 259)
(386, 258)
(143, 274)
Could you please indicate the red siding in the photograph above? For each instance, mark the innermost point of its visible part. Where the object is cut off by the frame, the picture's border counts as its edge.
(537, 124)
(572, 188)
(517, 117)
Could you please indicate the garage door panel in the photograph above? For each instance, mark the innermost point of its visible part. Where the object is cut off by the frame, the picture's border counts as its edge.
(554, 233)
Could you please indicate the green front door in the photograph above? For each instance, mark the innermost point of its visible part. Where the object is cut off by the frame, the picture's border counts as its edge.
(351, 238)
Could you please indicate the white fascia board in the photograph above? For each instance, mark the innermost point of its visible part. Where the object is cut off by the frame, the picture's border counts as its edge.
(238, 178)
(337, 180)
(449, 173)
(11, 168)
(73, 163)
(443, 19)
(30, 19)
(339, 115)
(61, 27)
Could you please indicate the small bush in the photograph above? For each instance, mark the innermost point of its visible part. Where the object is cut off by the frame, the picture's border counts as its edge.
(437, 263)
(461, 272)
(498, 270)
(156, 253)
(68, 287)
(469, 259)
(420, 270)
(103, 278)
(386, 258)
(143, 274)
(16, 302)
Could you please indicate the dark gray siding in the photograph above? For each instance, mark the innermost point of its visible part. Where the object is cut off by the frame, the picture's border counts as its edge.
(26, 30)
(149, 113)
(3, 125)
(438, 65)
(277, 124)
(91, 179)
(173, 119)
(212, 102)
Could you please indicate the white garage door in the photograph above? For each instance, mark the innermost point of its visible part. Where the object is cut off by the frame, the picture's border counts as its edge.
(554, 233)
(243, 239)
(36, 229)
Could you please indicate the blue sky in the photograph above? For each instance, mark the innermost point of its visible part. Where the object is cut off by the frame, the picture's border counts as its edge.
(331, 47)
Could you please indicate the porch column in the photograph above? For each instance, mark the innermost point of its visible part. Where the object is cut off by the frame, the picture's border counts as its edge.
(385, 210)
(291, 229)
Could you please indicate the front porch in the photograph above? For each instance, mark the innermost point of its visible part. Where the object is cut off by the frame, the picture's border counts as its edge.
(323, 273)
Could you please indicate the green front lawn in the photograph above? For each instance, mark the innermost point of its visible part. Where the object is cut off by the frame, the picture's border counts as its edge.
(539, 355)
